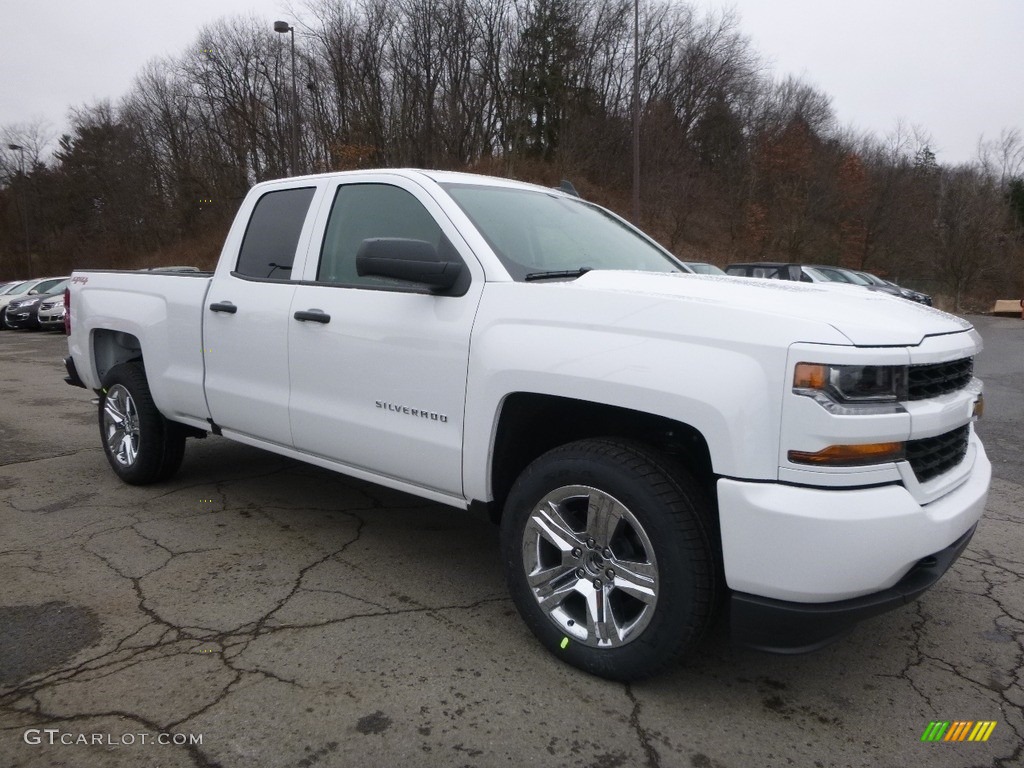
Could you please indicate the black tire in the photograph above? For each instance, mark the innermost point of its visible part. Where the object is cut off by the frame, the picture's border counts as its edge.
(141, 445)
(657, 571)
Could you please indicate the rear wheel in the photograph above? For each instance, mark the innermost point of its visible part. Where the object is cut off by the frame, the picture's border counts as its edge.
(609, 558)
(142, 446)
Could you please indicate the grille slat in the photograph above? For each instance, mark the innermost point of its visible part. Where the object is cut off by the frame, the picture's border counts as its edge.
(931, 456)
(936, 379)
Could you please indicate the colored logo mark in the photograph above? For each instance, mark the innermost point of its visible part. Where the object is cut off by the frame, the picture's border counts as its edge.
(958, 730)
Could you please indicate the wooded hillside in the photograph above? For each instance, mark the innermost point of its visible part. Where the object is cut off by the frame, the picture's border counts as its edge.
(735, 164)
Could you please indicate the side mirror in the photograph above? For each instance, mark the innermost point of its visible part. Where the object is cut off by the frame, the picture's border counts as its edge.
(415, 261)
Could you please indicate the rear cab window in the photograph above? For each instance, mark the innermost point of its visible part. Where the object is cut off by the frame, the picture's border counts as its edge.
(272, 234)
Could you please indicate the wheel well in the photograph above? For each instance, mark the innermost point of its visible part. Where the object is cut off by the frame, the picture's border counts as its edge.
(112, 348)
(532, 424)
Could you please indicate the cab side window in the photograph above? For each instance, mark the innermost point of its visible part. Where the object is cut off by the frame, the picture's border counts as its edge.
(268, 248)
(363, 211)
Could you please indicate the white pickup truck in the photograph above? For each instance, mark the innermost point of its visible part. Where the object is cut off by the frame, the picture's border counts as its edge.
(657, 445)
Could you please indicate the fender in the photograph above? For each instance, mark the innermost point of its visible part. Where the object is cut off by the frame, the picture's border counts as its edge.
(687, 361)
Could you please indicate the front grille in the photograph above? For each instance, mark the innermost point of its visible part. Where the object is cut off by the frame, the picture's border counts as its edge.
(936, 379)
(931, 456)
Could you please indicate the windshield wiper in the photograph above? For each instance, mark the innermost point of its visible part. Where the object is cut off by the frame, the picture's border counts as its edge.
(557, 273)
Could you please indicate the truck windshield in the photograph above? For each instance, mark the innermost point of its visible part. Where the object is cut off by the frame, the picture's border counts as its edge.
(538, 234)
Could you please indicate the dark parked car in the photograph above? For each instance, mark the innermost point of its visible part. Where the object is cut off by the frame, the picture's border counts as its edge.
(909, 293)
(906, 293)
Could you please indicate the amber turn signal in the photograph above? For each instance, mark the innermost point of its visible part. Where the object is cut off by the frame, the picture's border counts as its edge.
(810, 376)
(850, 455)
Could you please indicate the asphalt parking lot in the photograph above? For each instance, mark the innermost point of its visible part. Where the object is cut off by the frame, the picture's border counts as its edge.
(267, 613)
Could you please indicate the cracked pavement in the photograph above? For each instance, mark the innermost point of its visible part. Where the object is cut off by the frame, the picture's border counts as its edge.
(294, 617)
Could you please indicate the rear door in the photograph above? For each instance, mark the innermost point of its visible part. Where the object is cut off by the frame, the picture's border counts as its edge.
(246, 320)
(378, 379)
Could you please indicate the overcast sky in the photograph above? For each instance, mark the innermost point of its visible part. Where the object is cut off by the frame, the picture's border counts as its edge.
(952, 67)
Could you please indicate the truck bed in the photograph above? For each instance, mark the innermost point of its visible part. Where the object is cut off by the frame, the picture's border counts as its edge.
(161, 311)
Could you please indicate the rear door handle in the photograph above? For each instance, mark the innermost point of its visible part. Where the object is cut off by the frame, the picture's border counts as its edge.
(223, 306)
(313, 315)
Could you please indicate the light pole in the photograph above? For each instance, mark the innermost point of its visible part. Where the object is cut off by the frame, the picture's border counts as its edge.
(636, 112)
(22, 202)
(283, 27)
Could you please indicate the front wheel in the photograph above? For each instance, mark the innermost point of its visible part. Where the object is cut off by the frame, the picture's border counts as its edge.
(609, 557)
(142, 446)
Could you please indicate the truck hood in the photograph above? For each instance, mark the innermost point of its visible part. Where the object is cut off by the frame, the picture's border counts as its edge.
(866, 318)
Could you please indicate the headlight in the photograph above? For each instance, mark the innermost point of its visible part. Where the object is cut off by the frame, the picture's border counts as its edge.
(851, 389)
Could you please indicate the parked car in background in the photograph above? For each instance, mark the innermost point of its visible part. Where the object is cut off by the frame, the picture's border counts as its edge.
(824, 273)
(779, 270)
(10, 292)
(765, 269)
(23, 312)
(16, 315)
(899, 290)
(9, 286)
(909, 293)
(852, 277)
(703, 268)
(52, 310)
(28, 288)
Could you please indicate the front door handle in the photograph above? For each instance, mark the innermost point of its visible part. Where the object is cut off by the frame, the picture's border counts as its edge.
(313, 315)
(223, 306)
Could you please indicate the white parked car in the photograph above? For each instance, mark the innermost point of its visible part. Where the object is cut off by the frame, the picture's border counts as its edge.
(51, 312)
(703, 268)
(10, 286)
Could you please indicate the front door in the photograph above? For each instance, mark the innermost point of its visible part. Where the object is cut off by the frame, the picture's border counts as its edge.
(378, 366)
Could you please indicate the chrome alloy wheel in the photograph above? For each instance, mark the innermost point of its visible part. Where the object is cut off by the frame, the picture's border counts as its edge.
(121, 425)
(591, 566)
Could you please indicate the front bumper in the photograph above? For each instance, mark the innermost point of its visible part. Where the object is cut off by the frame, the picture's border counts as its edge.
(49, 320)
(779, 626)
(819, 545)
(19, 320)
(806, 563)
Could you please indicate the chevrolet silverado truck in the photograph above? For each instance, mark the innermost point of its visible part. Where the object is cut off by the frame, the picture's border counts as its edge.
(657, 446)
